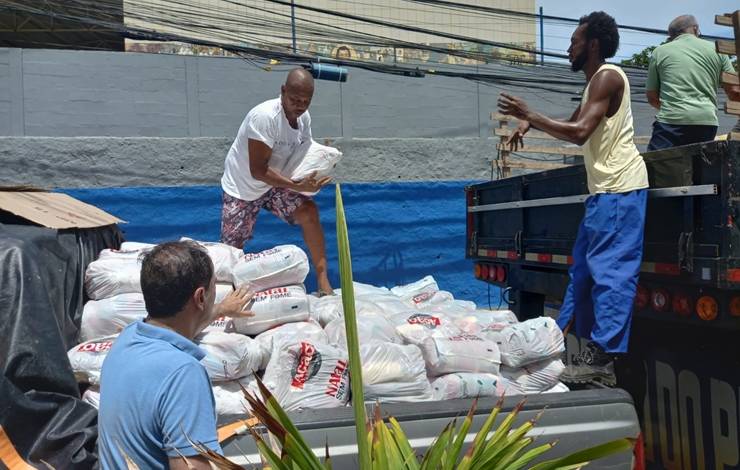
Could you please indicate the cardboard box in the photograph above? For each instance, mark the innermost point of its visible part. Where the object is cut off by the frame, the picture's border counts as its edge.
(53, 210)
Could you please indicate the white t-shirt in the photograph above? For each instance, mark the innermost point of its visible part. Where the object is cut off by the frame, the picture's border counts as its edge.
(267, 123)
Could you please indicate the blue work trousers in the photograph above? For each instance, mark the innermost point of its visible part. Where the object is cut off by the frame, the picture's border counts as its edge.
(606, 264)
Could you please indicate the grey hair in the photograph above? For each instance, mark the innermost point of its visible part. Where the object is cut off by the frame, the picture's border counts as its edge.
(681, 24)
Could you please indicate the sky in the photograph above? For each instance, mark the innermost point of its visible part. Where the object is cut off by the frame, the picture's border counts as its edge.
(648, 13)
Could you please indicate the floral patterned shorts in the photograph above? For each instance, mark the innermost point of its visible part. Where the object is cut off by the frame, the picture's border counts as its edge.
(238, 216)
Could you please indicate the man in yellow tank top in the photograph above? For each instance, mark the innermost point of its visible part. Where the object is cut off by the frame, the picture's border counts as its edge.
(608, 249)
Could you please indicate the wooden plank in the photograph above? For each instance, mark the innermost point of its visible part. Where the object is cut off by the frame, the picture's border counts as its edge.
(732, 107)
(723, 20)
(733, 136)
(725, 47)
(548, 150)
(536, 165)
(507, 131)
(730, 78)
(9, 456)
(502, 117)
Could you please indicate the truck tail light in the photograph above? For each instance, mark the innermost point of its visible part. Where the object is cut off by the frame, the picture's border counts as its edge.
(642, 297)
(735, 306)
(681, 304)
(484, 271)
(707, 308)
(501, 274)
(492, 273)
(476, 270)
(660, 300)
(638, 453)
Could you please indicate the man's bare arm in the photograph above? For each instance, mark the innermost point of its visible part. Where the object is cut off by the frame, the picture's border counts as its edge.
(259, 157)
(603, 86)
(653, 97)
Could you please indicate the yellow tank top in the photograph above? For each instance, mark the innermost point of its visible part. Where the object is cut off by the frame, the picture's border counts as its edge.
(613, 163)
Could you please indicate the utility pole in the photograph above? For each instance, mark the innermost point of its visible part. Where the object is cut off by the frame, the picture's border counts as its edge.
(292, 21)
(542, 38)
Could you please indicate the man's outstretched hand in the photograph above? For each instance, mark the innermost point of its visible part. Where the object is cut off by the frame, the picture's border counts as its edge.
(516, 138)
(311, 184)
(233, 304)
(513, 106)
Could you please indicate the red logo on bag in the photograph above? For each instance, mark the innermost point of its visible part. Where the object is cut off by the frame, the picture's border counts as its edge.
(306, 366)
(423, 297)
(423, 319)
(337, 383)
(103, 346)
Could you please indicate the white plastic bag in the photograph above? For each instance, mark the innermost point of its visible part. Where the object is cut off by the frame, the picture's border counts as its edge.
(229, 396)
(535, 377)
(136, 246)
(230, 356)
(113, 273)
(393, 373)
(460, 353)
(274, 307)
(467, 385)
(296, 332)
(318, 158)
(109, 316)
(416, 292)
(222, 290)
(87, 359)
(414, 327)
(328, 308)
(559, 387)
(308, 375)
(530, 341)
(481, 322)
(92, 396)
(282, 265)
(362, 289)
(224, 258)
(369, 328)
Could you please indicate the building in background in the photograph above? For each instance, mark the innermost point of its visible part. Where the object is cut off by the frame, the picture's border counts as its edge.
(60, 24)
(267, 25)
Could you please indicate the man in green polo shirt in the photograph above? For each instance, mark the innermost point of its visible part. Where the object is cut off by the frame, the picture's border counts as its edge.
(683, 77)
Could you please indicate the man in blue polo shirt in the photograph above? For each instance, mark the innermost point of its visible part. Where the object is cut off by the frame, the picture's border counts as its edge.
(154, 391)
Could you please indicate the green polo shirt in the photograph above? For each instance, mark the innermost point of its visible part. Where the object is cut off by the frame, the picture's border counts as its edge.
(686, 72)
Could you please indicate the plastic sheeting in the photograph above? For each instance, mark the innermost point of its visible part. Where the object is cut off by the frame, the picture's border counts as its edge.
(41, 278)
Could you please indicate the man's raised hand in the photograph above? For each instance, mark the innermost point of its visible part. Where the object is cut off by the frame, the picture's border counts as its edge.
(513, 106)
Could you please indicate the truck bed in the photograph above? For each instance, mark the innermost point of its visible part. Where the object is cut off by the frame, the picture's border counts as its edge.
(576, 419)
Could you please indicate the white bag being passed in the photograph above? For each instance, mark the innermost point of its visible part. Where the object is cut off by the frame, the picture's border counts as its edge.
(320, 159)
(282, 265)
(393, 373)
(113, 273)
(229, 396)
(230, 356)
(224, 258)
(308, 375)
(533, 378)
(369, 328)
(467, 385)
(460, 353)
(87, 359)
(109, 316)
(530, 341)
(274, 307)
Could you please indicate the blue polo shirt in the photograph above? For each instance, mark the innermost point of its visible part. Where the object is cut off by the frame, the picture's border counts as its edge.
(153, 392)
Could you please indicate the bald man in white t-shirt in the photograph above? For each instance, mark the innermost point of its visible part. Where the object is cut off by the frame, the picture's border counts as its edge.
(253, 175)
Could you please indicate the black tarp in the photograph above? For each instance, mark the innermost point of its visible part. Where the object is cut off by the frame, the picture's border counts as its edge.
(41, 300)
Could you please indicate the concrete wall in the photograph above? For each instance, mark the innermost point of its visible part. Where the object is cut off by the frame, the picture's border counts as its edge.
(84, 93)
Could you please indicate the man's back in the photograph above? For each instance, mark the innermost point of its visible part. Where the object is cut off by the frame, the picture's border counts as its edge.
(153, 393)
(687, 72)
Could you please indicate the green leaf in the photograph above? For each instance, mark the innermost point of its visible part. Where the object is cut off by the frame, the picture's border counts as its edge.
(433, 456)
(530, 455)
(350, 326)
(454, 455)
(498, 442)
(272, 458)
(588, 455)
(402, 442)
(306, 460)
(478, 444)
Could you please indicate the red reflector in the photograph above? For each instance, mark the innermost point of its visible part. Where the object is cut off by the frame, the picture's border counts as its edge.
(665, 268)
(642, 298)
(733, 275)
(500, 274)
(682, 305)
(492, 273)
(638, 453)
(544, 258)
(512, 255)
(484, 271)
(570, 260)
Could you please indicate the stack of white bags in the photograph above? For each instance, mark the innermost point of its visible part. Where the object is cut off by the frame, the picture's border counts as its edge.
(417, 342)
